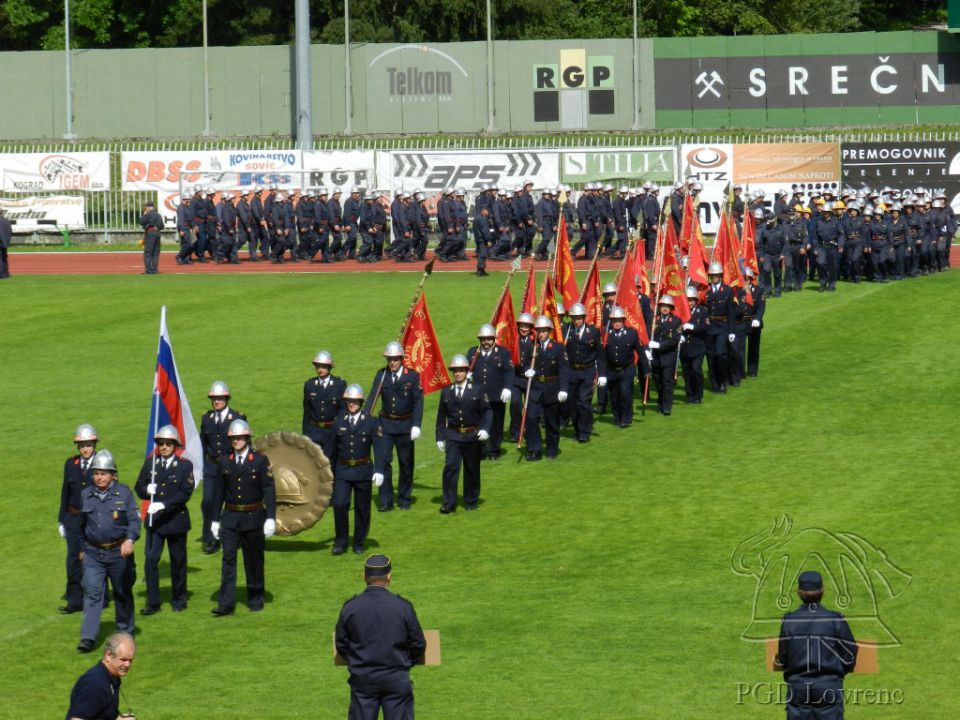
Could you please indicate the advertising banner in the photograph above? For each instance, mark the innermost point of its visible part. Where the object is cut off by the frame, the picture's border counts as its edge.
(223, 169)
(339, 168)
(631, 164)
(47, 213)
(434, 171)
(40, 172)
(712, 167)
(935, 165)
(786, 163)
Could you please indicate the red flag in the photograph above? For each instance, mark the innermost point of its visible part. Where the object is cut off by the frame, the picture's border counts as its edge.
(528, 303)
(637, 264)
(690, 220)
(748, 244)
(669, 239)
(550, 309)
(672, 282)
(697, 262)
(421, 349)
(506, 325)
(591, 297)
(726, 254)
(564, 278)
(627, 298)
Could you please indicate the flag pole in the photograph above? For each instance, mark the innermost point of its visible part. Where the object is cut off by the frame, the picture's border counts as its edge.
(657, 273)
(514, 266)
(533, 357)
(155, 411)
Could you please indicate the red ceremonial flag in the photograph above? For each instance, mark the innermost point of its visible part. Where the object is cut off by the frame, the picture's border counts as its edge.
(591, 297)
(672, 282)
(564, 278)
(627, 298)
(725, 253)
(637, 264)
(669, 238)
(697, 261)
(421, 349)
(749, 245)
(506, 325)
(528, 302)
(690, 220)
(550, 309)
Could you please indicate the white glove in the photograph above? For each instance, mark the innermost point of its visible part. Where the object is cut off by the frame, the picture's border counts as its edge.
(649, 355)
(601, 382)
(529, 373)
(483, 436)
(215, 530)
(731, 337)
(61, 530)
(155, 507)
(378, 479)
(653, 345)
(688, 326)
(562, 396)
(440, 445)
(414, 433)
(755, 323)
(152, 489)
(505, 395)
(269, 528)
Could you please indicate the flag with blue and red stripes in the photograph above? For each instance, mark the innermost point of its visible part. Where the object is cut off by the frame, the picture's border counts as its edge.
(169, 404)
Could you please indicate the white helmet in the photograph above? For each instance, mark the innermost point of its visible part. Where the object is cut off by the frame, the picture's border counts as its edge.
(353, 392)
(219, 389)
(458, 361)
(577, 310)
(103, 460)
(323, 358)
(609, 289)
(85, 433)
(487, 331)
(393, 350)
(167, 432)
(715, 269)
(238, 428)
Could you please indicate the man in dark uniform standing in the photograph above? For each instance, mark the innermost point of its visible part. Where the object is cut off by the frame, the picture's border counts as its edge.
(753, 323)
(664, 344)
(721, 304)
(492, 369)
(213, 437)
(525, 340)
(815, 651)
(401, 414)
(351, 219)
(152, 225)
(76, 476)
(587, 366)
(244, 516)
(110, 525)
(167, 482)
(185, 228)
(357, 458)
(550, 373)
(609, 293)
(829, 240)
(379, 636)
(464, 418)
(322, 403)
(694, 347)
(622, 346)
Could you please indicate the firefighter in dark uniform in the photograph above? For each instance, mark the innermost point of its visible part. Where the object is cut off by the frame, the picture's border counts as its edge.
(379, 636)
(492, 369)
(483, 237)
(357, 459)
(305, 220)
(651, 219)
(753, 324)
(550, 373)
(351, 225)
(828, 241)
(694, 347)
(167, 482)
(109, 525)
(797, 232)
(421, 226)
(738, 207)
(584, 347)
(261, 233)
(152, 225)
(547, 217)
(77, 475)
(373, 220)
(665, 345)
(322, 403)
(244, 516)
(525, 340)
(815, 651)
(899, 232)
(622, 346)
(335, 211)
(879, 244)
(185, 228)
(855, 237)
(246, 227)
(213, 437)
(279, 229)
(401, 414)
(464, 418)
(721, 304)
(609, 293)
(772, 241)
(323, 222)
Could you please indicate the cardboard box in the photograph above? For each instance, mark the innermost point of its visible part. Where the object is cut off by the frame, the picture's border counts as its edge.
(430, 657)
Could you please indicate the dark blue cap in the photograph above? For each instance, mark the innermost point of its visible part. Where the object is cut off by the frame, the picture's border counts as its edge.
(810, 580)
(377, 566)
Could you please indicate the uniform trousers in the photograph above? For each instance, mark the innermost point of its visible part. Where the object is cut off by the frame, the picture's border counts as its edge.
(392, 693)
(360, 485)
(98, 565)
(252, 542)
(457, 454)
(404, 446)
(178, 567)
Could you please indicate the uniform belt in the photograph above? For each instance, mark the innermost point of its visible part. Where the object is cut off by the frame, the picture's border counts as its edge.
(463, 430)
(322, 423)
(388, 416)
(619, 368)
(248, 507)
(109, 545)
(718, 317)
(582, 366)
(748, 317)
(547, 378)
(73, 510)
(354, 463)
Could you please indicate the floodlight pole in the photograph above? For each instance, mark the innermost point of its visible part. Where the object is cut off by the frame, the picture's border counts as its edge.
(69, 134)
(304, 88)
(206, 76)
(347, 84)
(636, 68)
(490, 109)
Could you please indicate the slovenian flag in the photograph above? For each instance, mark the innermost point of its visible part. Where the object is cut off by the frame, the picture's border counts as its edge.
(169, 405)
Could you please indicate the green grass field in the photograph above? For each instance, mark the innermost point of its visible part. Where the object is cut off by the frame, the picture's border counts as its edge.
(597, 586)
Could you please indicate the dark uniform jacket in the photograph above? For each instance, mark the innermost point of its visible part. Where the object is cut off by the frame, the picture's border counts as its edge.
(695, 343)
(110, 519)
(460, 419)
(321, 405)
(74, 481)
(358, 450)
(721, 307)
(666, 331)
(401, 401)
(493, 373)
(585, 352)
(552, 372)
(213, 438)
(623, 352)
(244, 495)
(525, 350)
(828, 231)
(378, 634)
(816, 649)
(174, 487)
(756, 310)
(772, 239)
(151, 222)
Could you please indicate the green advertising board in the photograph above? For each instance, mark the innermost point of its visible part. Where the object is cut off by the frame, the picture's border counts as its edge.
(656, 164)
